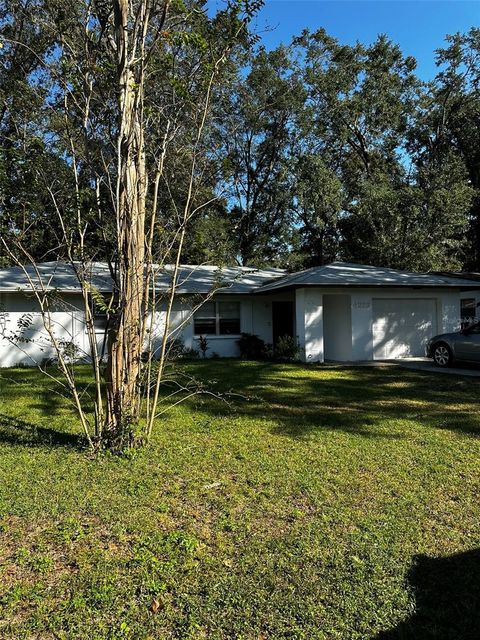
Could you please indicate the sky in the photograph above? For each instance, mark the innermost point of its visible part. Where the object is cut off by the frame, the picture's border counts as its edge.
(418, 26)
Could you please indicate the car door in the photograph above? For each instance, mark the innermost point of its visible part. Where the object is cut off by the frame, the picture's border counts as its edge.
(467, 345)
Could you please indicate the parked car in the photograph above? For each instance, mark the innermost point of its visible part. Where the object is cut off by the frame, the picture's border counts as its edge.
(461, 345)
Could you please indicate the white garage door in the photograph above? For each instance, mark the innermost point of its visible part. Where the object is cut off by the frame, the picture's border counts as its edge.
(401, 328)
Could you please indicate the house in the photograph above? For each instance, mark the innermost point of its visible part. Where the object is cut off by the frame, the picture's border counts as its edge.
(340, 312)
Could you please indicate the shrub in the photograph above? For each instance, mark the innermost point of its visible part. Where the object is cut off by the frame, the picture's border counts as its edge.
(287, 348)
(190, 353)
(251, 346)
(178, 351)
(203, 344)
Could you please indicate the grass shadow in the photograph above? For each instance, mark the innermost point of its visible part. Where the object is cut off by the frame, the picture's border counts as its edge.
(297, 400)
(372, 402)
(447, 594)
(19, 432)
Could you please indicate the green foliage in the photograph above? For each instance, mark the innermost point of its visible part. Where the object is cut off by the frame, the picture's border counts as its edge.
(251, 346)
(177, 350)
(203, 345)
(319, 201)
(447, 129)
(286, 348)
(210, 239)
(366, 164)
(256, 134)
(312, 152)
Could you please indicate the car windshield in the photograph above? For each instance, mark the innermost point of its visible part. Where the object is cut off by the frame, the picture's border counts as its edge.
(474, 328)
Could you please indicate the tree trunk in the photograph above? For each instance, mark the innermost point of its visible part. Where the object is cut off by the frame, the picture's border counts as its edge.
(124, 339)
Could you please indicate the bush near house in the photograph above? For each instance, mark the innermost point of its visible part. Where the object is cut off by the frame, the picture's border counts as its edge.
(252, 347)
(332, 503)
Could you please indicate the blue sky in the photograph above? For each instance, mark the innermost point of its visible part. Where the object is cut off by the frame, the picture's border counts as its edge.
(419, 26)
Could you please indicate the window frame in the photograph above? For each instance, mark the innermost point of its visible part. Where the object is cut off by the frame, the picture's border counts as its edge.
(466, 320)
(217, 318)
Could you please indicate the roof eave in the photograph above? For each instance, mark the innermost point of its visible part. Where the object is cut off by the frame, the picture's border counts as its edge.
(290, 287)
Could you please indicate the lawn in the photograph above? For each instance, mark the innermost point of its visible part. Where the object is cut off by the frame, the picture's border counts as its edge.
(328, 503)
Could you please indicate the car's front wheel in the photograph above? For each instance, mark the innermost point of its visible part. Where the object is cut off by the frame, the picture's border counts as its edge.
(442, 356)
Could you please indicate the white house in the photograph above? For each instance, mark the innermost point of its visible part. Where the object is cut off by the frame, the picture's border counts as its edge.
(340, 312)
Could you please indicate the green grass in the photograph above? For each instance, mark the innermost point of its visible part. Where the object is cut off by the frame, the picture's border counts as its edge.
(333, 503)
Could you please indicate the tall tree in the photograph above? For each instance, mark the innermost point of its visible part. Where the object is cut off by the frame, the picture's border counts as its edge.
(359, 102)
(448, 125)
(318, 203)
(417, 222)
(256, 136)
(25, 204)
(363, 104)
(129, 89)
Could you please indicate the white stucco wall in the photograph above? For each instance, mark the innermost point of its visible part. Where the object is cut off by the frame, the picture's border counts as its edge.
(325, 315)
(362, 338)
(309, 323)
(447, 313)
(32, 344)
(255, 317)
(319, 317)
(447, 307)
(337, 327)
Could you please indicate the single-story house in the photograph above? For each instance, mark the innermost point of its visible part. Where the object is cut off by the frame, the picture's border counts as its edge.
(339, 312)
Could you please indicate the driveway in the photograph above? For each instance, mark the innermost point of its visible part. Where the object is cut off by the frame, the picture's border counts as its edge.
(425, 364)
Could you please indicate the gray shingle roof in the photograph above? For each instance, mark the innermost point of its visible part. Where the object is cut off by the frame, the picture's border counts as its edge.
(192, 278)
(201, 279)
(340, 274)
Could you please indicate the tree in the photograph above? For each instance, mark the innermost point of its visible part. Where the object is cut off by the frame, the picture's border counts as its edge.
(25, 204)
(256, 136)
(210, 238)
(392, 206)
(359, 102)
(131, 85)
(448, 125)
(416, 223)
(318, 203)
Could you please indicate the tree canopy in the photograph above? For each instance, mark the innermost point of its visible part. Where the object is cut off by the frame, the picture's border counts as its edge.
(314, 151)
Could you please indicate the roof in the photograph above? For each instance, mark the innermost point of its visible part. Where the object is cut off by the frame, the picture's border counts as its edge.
(469, 275)
(340, 274)
(61, 276)
(201, 279)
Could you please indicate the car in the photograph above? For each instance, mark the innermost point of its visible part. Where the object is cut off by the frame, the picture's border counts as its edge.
(461, 346)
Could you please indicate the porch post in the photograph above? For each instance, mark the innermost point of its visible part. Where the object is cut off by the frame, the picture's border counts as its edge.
(309, 323)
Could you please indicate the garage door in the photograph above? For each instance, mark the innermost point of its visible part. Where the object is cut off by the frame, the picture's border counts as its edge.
(401, 328)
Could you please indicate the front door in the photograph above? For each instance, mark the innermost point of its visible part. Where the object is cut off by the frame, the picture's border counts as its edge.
(282, 320)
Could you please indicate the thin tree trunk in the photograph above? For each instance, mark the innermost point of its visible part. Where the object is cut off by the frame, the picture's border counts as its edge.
(125, 335)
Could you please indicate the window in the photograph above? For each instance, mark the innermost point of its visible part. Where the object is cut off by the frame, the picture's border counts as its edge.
(99, 313)
(217, 318)
(228, 318)
(468, 311)
(205, 319)
(467, 307)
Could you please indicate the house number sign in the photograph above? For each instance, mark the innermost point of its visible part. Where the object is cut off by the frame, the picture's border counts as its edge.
(361, 305)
